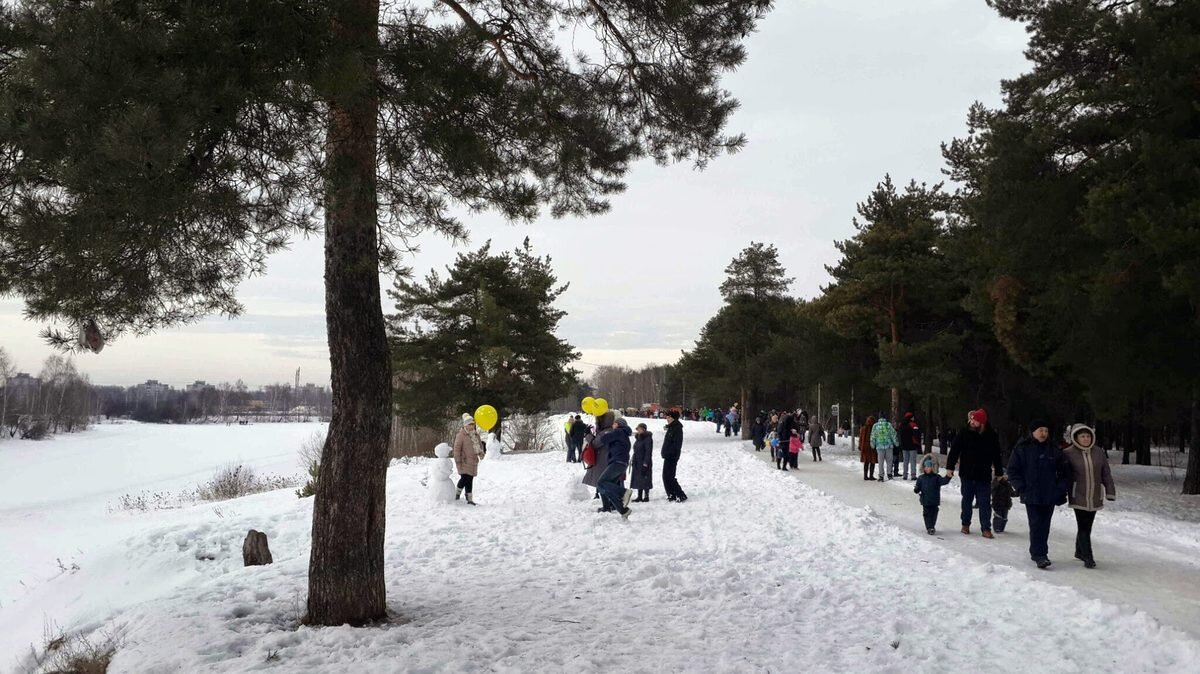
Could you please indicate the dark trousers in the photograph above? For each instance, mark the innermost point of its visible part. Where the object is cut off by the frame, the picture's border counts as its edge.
(1083, 536)
(977, 491)
(465, 482)
(868, 471)
(896, 454)
(670, 484)
(612, 492)
(1039, 529)
(999, 519)
(571, 447)
(930, 513)
(728, 429)
(816, 453)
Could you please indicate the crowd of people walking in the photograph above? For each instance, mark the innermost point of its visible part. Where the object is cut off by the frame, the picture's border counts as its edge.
(1041, 473)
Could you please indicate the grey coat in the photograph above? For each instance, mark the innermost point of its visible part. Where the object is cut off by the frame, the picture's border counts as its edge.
(1089, 479)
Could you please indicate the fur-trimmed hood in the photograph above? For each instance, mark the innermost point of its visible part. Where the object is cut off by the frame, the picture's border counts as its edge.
(1075, 429)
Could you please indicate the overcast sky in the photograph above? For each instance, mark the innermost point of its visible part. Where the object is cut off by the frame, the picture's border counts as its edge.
(835, 94)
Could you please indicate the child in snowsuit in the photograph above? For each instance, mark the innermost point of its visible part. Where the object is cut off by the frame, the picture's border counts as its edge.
(929, 486)
(1002, 496)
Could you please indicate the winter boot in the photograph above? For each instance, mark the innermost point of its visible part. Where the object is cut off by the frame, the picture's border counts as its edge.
(625, 499)
(469, 499)
(987, 533)
(457, 493)
(625, 512)
(1042, 563)
(966, 529)
(930, 531)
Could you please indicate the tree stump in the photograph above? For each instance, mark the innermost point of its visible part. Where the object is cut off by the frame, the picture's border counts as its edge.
(254, 549)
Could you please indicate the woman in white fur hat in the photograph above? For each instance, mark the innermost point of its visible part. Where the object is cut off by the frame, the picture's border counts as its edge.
(467, 450)
(1089, 483)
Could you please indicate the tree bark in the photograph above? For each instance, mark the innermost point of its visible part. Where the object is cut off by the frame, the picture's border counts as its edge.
(1191, 479)
(346, 570)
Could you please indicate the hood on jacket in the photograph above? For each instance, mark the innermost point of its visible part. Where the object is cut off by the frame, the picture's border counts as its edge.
(928, 457)
(1076, 429)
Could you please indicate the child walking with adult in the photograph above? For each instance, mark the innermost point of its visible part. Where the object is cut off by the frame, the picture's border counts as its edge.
(976, 453)
(929, 487)
(1036, 472)
(1002, 498)
(642, 480)
(1089, 484)
(613, 494)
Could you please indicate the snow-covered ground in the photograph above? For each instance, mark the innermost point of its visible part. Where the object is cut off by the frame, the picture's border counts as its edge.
(757, 572)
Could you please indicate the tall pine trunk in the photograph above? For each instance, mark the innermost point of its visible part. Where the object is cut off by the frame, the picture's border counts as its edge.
(345, 572)
(1191, 479)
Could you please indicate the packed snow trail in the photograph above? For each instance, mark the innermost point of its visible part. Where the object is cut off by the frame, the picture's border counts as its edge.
(756, 572)
(1157, 574)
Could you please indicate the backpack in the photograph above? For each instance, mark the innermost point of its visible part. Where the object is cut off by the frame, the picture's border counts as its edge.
(589, 456)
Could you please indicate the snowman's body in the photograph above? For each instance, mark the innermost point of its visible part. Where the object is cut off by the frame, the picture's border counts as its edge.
(441, 487)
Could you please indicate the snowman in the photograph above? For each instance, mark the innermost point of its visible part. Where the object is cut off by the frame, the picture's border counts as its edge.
(494, 450)
(441, 487)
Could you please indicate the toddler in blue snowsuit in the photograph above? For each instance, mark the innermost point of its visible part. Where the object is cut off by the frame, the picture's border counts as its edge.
(929, 486)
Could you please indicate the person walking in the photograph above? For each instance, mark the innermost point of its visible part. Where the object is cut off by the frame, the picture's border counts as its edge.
(613, 495)
(758, 433)
(592, 472)
(567, 438)
(910, 444)
(730, 421)
(1089, 484)
(642, 466)
(672, 448)
(883, 441)
(783, 435)
(866, 453)
(816, 438)
(578, 431)
(1036, 472)
(929, 487)
(719, 417)
(468, 448)
(978, 450)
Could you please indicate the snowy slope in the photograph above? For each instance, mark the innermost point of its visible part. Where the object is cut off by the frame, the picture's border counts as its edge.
(756, 572)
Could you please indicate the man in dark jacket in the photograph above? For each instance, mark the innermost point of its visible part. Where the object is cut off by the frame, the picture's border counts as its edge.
(758, 433)
(578, 430)
(1036, 471)
(978, 448)
(672, 447)
(784, 433)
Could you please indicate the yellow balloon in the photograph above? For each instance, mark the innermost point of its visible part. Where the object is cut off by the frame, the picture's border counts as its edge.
(486, 417)
(588, 405)
(600, 406)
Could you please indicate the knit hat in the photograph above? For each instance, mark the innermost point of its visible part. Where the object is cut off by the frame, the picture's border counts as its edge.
(674, 414)
(1038, 423)
(467, 419)
(979, 416)
(929, 463)
(908, 415)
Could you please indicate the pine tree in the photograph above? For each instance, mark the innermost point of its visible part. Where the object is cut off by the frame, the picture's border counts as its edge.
(893, 276)
(153, 153)
(484, 334)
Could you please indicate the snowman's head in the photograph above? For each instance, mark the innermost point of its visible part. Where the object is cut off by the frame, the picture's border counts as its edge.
(442, 451)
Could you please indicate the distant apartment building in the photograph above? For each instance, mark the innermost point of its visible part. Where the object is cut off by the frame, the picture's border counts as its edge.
(22, 390)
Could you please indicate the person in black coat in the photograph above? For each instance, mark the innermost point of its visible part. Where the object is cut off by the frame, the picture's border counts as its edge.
(758, 433)
(642, 465)
(1036, 471)
(783, 433)
(978, 448)
(672, 447)
(578, 430)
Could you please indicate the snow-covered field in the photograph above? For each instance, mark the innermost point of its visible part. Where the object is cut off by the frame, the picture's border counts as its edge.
(757, 572)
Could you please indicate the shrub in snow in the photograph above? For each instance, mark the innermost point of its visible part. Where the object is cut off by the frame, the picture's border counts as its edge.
(234, 481)
(75, 653)
(310, 460)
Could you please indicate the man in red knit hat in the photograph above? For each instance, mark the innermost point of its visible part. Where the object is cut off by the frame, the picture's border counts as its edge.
(979, 449)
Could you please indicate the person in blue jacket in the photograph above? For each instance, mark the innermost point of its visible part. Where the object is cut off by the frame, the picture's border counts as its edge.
(613, 494)
(1036, 471)
(929, 486)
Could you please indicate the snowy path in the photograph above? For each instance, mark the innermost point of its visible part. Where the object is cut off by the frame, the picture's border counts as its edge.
(757, 572)
(1155, 573)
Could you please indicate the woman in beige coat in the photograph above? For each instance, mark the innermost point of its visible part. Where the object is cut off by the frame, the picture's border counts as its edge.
(468, 448)
(1089, 483)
